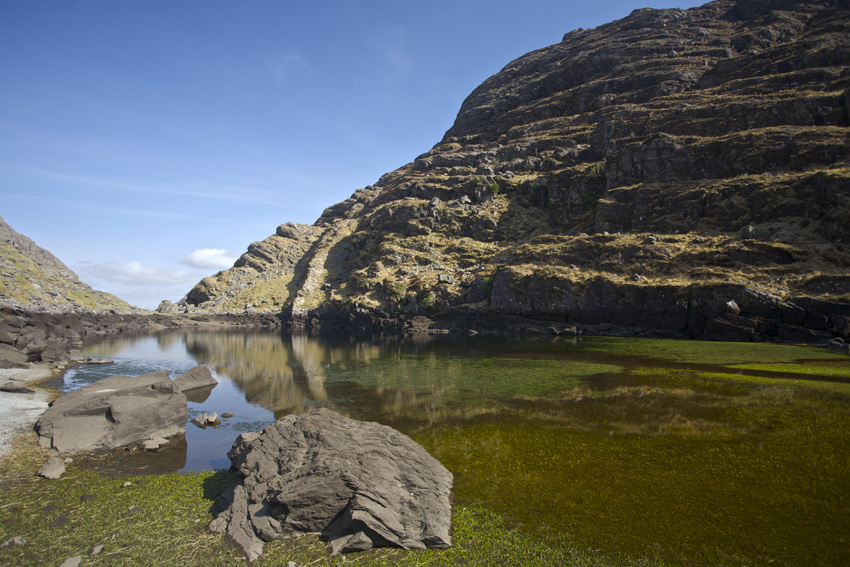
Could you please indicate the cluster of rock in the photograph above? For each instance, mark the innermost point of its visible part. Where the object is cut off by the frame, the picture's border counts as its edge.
(359, 484)
(120, 410)
(721, 132)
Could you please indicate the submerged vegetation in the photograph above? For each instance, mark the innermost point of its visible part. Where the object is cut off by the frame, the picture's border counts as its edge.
(591, 452)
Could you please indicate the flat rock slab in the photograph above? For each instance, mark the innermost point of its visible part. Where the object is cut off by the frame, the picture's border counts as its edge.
(359, 484)
(198, 377)
(114, 412)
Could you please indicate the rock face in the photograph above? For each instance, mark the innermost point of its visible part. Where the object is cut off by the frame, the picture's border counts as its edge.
(633, 178)
(32, 278)
(114, 412)
(359, 484)
(260, 278)
(198, 377)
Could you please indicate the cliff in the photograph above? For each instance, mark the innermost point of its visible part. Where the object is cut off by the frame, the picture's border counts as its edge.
(674, 173)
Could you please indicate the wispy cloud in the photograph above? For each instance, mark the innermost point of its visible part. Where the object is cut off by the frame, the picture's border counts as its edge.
(133, 273)
(285, 65)
(205, 189)
(392, 44)
(209, 258)
(89, 206)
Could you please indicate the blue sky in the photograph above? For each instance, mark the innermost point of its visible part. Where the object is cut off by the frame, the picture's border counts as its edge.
(148, 143)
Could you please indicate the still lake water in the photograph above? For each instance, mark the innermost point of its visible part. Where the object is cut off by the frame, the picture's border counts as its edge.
(691, 453)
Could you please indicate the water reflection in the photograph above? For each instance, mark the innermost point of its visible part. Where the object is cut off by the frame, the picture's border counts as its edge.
(633, 446)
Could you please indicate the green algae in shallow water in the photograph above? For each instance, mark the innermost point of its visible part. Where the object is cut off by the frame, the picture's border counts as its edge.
(706, 352)
(743, 473)
(471, 381)
(831, 368)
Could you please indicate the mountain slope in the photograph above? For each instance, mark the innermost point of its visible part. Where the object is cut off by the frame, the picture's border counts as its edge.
(676, 172)
(32, 278)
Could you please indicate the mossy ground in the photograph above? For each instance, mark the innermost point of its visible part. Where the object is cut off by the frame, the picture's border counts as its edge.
(161, 520)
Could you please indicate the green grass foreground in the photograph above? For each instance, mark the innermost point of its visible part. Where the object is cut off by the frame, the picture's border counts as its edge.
(162, 520)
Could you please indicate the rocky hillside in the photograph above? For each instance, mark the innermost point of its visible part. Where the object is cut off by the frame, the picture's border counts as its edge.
(676, 172)
(33, 279)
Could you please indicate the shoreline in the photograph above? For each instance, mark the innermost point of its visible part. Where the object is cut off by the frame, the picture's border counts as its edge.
(20, 411)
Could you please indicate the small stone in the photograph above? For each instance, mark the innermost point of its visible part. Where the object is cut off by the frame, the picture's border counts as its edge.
(52, 469)
(15, 541)
(72, 561)
(150, 445)
(291, 564)
(96, 549)
(636, 277)
(200, 421)
(227, 414)
(134, 509)
(212, 419)
(68, 460)
(127, 484)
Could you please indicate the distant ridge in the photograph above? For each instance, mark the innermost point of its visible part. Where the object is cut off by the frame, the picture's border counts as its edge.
(33, 279)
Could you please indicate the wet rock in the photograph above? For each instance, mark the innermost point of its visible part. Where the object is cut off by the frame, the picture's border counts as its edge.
(206, 419)
(53, 469)
(360, 484)
(72, 561)
(113, 412)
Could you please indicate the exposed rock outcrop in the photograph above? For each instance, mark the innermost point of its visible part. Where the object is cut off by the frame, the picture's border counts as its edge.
(633, 178)
(359, 484)
(114, 412)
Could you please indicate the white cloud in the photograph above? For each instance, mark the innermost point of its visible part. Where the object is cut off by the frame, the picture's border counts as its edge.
(133, 273)
(209, 258)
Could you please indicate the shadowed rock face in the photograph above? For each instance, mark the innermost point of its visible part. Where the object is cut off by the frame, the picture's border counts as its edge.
(359, 484)
(669, 130)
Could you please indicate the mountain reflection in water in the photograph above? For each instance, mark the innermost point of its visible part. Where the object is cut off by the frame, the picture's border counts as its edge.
(721, 452)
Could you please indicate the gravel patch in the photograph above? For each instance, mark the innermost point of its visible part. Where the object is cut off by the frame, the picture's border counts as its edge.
(19, 412)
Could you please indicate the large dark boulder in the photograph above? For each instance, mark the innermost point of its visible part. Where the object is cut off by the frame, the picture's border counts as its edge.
(359, 484)
(114, 412)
